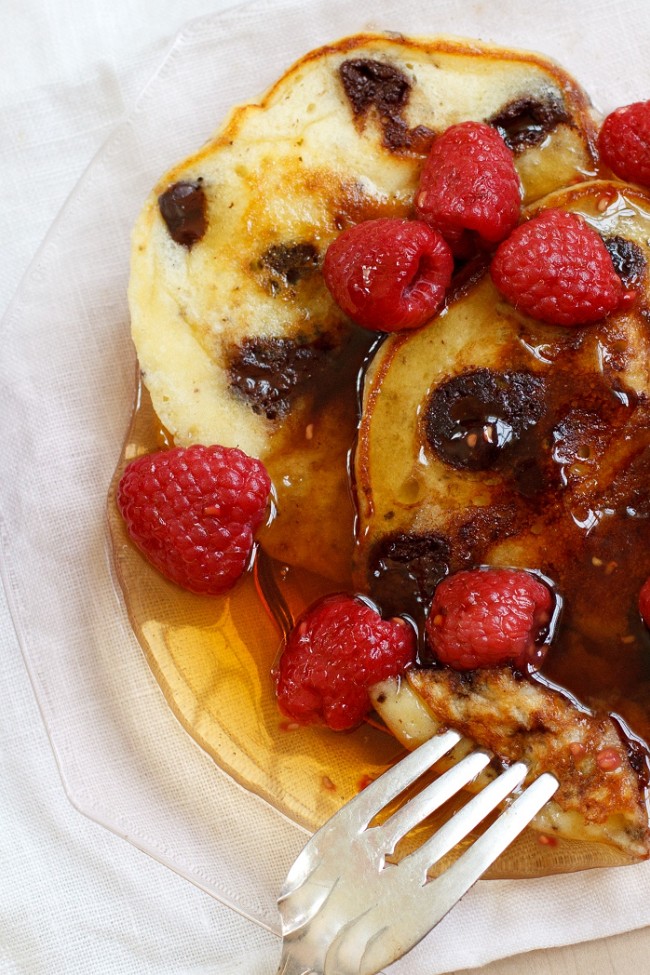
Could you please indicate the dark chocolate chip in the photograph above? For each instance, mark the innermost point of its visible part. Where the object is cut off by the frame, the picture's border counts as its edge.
(269, 372)
(183, 207)
(474, 421)
(628, 259)
(404, 570)
(399, 137)
(384, 87)
(368, 83)
(291, 262)
(527, 121)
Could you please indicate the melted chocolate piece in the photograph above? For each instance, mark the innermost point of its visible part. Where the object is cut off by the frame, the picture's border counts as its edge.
(370, 83)
(474, 420)
(382, 86)
(269, 372)
(404, 570)
(183, 207)
(290, 262)
(527, 121)
(628, 259)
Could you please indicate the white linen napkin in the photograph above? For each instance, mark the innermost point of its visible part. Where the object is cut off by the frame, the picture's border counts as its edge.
(65, 396)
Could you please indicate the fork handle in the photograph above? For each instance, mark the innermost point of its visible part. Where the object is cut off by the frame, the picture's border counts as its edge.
(290, 965)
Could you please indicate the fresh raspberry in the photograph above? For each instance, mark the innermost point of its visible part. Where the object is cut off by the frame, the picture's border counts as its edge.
(644, 602)
(192, 512)
(624, 142)
(469, 188)
(556, 268)
(388, 274)
(337, 649)
(489, 617)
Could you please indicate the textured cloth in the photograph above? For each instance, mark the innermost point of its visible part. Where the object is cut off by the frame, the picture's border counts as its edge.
(75, 897)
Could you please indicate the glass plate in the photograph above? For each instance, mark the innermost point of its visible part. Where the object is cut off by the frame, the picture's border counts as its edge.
(66, 391)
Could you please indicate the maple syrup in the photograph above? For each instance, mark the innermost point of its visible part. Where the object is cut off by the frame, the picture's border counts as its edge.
(212, 658)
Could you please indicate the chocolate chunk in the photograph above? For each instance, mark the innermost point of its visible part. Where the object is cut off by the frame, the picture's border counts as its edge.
(384, 87)
(290, 262)
(370, 83)
(404, 570)
(527, 121)
(183, 207)
(269, 372)
(475, 420)
(628, 259)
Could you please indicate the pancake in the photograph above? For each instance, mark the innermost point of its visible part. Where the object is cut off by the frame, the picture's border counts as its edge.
(524, 720)
(238, 340)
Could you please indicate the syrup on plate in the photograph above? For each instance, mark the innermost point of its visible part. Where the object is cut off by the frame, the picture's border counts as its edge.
(212, 658)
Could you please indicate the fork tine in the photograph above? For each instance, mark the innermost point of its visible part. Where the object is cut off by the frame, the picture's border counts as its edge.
(391, 783)
(430, 799)
(354, 817)
(382, 935)
(473, 813)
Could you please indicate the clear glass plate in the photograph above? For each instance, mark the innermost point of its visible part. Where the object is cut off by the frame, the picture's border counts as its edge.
(67, 380)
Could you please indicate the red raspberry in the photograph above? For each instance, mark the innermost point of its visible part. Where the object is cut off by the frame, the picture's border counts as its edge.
(488, 617)
(624, 142)
(644, 602)
(339, 647)
(388, 274)
(469, 188)
(556, 268)
(192, 512)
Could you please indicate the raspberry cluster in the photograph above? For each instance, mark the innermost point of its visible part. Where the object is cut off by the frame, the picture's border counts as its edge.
(194, 512)
(389, 274)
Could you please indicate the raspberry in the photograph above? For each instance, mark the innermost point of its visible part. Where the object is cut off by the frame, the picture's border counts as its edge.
(556, 268)
(192, 512)
(488, 617)
(337, 649)
(624, 142)
(644, 602)
(469, 188)
(388, 274)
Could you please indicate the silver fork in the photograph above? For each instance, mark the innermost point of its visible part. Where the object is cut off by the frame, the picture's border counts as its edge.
(347, 911)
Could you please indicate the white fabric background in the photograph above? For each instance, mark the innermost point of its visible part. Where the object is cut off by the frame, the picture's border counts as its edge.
(75, 898)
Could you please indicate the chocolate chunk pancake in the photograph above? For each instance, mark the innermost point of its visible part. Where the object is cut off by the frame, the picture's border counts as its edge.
(237, 337)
